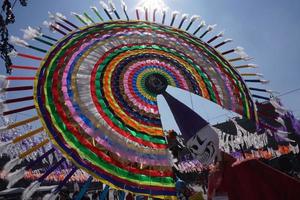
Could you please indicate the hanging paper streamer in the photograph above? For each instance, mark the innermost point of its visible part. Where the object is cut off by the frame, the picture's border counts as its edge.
(54, 194)
(104, 193)
(61, 184)
(14, 177)
(13, 162)
(121, 195)
(30, 190)
(84, 188)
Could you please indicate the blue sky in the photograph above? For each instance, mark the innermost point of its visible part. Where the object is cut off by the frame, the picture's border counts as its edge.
(269, 31)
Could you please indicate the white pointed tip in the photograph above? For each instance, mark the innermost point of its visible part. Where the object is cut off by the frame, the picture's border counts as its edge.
(211, 27)
(252, 65)
(111, 5)
(228, 40)
(202, 23)
(30, 33)
(259, 74)
(50, 25)
(175, 13)
(123, 3)
(246, 58)
(185, 16)
(60, 16)
(195, 17)
(51, 16)
(94, 8)
(74, 13)
(18, 41)
(46, 23)
(264, 81)
(221, 34)
(104, 5)
(239, 49)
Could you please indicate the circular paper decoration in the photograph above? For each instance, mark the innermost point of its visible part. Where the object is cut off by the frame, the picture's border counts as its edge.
(96, 94)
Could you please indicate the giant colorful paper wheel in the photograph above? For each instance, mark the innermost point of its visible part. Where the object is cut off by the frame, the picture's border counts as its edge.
(96, 95)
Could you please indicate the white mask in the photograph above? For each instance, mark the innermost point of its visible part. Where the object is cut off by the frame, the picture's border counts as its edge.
(204, 146)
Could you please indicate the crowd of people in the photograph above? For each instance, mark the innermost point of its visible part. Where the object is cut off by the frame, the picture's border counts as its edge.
(93, 195)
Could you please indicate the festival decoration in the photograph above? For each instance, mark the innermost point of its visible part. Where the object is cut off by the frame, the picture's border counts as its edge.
(272, 137)
(200, 139)
(95, 93)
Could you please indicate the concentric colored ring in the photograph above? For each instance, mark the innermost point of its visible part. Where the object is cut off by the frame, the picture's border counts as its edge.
(96, 93)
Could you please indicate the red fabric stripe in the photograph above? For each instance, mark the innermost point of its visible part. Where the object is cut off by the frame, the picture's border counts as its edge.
(29, 56)
(18, 110)
(20, 78)
(101, 170)
(107, 119)
(23, 67)
(64, 116)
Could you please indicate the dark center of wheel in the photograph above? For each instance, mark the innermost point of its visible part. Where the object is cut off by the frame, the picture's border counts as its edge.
(156, 83)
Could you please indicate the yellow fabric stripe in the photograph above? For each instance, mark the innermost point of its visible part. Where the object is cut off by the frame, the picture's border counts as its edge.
(36, 147)
(27, 135)
(20, 123)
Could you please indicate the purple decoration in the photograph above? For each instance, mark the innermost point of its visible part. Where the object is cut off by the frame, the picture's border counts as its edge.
(51, 169)
(39, 159)
(236, 154)
(188, 121)
(294, 122)
(62, 183)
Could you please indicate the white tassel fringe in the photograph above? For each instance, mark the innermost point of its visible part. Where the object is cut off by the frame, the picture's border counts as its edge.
(11, 164)
(15, 176)
(30, 190)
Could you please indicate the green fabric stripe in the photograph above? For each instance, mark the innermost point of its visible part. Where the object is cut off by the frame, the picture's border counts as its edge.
(237, 79)
(110, 57)
(219, 60)
(86, 153)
